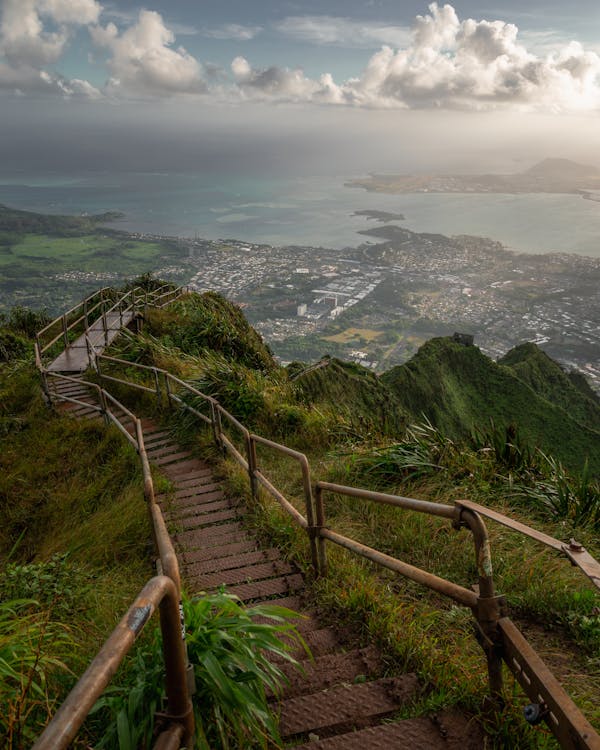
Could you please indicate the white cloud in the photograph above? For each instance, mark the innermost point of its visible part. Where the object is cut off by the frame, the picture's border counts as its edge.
(27, 47)
(144, 62)
(232, 31)
(76, 12)
(333, 30)
(449, 64)
(283, 84)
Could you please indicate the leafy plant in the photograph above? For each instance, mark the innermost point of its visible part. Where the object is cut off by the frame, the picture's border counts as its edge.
(510, 448)
(30, 643)
(576, 500)
(54, 584)
(231, 650)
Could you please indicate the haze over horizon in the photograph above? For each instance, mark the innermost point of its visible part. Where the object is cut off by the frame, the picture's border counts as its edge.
(285, 88)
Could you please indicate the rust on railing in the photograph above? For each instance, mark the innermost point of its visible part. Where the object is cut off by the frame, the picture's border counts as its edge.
(159, 592)
(499, 638)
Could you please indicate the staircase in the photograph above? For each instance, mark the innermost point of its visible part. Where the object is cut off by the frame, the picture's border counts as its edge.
(341, 698)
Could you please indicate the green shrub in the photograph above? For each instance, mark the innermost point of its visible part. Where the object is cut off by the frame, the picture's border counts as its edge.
(231, 656)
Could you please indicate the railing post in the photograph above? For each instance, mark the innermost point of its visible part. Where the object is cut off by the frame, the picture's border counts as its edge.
(65, 330)
(219, 428)
(157, 386)
(489, 606)
(104, 406)
(104, 323)
(320, 542)
(85, 314)
(252, 466)
(214, 417)
(179, 705)
(309, 504)
(168, 390)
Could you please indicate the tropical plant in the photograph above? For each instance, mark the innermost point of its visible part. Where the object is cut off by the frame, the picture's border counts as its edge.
(231, 649)
(30, 645)
(576, 500)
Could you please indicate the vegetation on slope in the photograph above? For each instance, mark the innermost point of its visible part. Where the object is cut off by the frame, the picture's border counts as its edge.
(497, 466)
(73, 545)
(329, 413)
(457, 388)
(547, 378)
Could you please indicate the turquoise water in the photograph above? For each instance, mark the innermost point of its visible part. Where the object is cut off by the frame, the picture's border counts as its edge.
(315, 211)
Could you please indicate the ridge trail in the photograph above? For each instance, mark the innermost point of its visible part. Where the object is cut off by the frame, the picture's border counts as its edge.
(341, 697)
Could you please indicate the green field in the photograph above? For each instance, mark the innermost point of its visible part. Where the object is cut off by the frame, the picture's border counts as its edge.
(91, 252)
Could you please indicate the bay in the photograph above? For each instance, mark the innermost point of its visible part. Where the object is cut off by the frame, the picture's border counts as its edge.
(314, 211)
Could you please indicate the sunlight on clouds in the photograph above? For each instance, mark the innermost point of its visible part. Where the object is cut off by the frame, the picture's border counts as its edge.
(143, 61)
(443, 62)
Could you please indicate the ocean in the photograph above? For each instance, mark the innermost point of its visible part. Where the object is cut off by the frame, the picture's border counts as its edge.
(307, 211)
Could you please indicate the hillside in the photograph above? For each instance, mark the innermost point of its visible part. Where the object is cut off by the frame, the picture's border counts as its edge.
(358, 395)
(541, 373)
(458, 389)
(350, 424)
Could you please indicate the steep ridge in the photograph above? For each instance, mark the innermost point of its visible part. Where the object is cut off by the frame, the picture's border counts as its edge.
(547, 378)
(458, 389)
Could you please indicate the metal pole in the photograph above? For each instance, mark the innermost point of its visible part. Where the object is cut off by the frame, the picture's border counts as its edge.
(489, 608)
(168, 391)
(310, 515)
(320, 513)
(104, 323)
(157, 385)
(65, 330)
(70, 716)
(252, 465)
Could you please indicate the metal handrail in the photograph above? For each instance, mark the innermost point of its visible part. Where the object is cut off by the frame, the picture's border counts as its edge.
(499, 638)
(92, 683)
(496, 633)
(159, 592)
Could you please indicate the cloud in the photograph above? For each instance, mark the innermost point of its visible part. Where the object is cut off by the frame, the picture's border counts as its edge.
(232, 31)
(27, 47)
(476, 65)
(333, 30)
(143, 61)
(449, 64)
(283, 84)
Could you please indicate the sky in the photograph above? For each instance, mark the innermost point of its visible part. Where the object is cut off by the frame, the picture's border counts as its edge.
(349, 87)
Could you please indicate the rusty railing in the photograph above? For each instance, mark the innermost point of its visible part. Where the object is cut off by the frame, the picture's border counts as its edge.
(500, 639)
(163, 591)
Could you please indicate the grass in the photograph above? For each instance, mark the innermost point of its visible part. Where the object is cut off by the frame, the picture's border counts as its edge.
(74, 538)
(416, 629)
(354, 335)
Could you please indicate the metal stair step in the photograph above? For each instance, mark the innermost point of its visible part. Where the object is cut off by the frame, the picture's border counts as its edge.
(259, 590)
(246, 574)
(215, 553)
(172, 458)
(411, 734)
(207, 519)
(233, 561)
(179, 512)
(324, 672)
(352, 705)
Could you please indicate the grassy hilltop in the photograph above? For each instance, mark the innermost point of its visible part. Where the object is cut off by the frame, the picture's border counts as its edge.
(450, 423)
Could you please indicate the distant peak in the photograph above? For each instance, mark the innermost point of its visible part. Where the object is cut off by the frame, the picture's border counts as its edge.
(562, 168)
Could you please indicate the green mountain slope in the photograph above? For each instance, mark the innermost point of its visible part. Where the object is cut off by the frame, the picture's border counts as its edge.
(458, 388)
(357, 394)
(547, 378)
